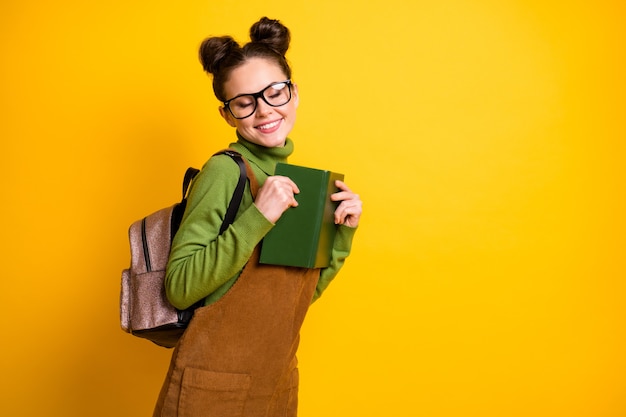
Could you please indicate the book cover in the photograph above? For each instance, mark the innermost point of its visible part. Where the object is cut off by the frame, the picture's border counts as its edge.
(304, 235)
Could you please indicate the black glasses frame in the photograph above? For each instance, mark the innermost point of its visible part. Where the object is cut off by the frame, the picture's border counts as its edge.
(256, 96)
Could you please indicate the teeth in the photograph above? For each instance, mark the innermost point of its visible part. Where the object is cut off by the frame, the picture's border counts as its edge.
(269, 125)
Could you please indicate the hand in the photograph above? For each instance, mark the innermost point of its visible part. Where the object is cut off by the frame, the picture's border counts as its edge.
(349, 210)
(276, 196)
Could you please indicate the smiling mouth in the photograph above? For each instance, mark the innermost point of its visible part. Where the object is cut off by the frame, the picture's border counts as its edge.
(269, 126)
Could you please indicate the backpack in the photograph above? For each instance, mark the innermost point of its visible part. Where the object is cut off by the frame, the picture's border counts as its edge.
(144, 309)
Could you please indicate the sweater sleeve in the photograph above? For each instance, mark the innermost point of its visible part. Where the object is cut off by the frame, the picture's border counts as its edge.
(201, 260)
(341, 249)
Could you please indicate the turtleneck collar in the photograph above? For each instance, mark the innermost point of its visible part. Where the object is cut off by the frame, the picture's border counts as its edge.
(265, 158)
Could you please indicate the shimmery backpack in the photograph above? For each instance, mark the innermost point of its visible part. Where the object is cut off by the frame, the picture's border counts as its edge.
(144, 309)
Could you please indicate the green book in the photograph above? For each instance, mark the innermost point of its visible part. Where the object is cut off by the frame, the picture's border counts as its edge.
(304, 235)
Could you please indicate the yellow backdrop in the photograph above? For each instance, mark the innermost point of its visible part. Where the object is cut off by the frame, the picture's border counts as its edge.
(486, 137)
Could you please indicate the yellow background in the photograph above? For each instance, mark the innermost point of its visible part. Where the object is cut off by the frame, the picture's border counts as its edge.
(486, 137)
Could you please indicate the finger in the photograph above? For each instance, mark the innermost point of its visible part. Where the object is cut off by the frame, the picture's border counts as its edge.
(288, 192)
(282, 190)
(294, 187)
(287, 181)
(346, 218)
(348, 212)
(343, 196)
(342, 186)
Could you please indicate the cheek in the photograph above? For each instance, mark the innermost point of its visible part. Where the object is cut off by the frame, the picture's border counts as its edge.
(290, 111)
(244, 124)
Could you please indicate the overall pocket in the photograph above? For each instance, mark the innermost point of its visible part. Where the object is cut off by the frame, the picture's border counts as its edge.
(212, 394)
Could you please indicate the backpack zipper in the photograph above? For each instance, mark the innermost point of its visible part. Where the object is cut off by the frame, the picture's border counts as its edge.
(144, 239)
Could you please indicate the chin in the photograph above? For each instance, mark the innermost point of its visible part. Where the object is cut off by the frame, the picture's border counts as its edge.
(274, 142)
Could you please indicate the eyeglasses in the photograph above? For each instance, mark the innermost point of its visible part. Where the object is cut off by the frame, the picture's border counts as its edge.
(244, 105)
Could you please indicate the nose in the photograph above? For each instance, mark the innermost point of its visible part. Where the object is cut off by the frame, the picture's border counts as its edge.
(262, 108)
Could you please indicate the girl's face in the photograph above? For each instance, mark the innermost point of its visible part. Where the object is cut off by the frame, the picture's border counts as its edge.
(268, 126)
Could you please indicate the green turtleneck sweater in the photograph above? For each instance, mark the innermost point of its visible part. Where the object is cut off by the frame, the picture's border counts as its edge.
(204, 264)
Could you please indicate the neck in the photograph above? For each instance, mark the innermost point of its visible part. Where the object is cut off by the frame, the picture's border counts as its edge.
(267, 157)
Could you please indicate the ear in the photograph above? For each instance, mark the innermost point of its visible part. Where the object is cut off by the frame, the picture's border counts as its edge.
(295, 95)
(227, 116)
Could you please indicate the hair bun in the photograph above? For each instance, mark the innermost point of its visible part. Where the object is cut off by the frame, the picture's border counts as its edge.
(271, 33)
(214, 50)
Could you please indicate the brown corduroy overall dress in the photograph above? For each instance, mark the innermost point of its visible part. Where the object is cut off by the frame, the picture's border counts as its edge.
(237, 358)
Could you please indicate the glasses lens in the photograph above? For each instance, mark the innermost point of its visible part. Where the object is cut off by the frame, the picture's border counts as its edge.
(242, 106)
(277, 94)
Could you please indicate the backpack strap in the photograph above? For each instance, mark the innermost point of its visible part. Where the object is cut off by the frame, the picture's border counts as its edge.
(235, 200)
(189, 175)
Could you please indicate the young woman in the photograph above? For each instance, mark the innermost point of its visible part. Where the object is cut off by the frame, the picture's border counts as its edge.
(238, 355)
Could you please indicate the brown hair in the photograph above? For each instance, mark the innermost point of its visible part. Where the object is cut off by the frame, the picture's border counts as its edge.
(220, 55)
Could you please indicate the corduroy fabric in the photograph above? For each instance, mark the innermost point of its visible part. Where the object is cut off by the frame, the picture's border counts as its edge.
(237, 358)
